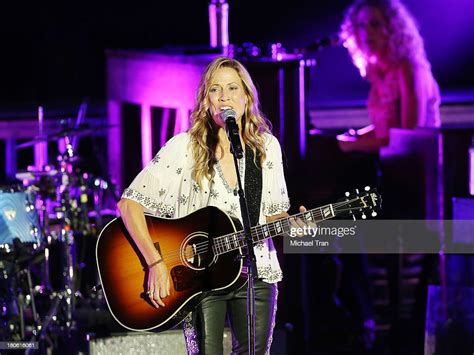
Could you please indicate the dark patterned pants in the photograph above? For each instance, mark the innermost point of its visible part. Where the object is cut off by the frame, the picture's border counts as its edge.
(209, 320)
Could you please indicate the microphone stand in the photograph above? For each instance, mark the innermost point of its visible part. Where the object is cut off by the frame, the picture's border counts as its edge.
(249, 257)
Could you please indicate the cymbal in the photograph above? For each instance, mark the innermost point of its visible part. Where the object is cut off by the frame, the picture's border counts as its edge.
(36, 140)
(66, 132)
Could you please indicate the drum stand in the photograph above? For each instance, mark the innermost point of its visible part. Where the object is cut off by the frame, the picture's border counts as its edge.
(64, 219)
(19, 291)
(19, 300)
(64, 301)
(22, 304)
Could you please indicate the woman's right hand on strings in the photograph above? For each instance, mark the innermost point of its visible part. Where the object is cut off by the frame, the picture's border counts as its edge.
(158, 284)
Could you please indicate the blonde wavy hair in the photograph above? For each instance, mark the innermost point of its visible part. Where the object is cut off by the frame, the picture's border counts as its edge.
(404, 39)
(203, 131)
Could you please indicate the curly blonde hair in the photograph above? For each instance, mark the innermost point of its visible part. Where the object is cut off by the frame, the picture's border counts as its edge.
(404, 43)
(203, 131)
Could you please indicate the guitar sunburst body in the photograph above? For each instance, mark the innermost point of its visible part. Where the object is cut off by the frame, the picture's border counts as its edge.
(193, 269)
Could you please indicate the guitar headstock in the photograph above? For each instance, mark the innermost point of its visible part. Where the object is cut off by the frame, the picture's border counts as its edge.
(362, 202)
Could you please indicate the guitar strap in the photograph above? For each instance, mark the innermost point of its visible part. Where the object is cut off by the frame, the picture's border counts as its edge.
(253, 193)
(253, 185)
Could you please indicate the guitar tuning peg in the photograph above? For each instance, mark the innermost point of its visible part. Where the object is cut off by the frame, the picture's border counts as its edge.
(374, 214)
(347, 194)
(354, 217)
(367, 188)
(357, 191)
(364, 216)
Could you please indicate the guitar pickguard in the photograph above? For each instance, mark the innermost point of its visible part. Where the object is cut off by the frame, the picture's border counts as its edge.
(185, 278)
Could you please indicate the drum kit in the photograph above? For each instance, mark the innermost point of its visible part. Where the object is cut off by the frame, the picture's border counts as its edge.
(49, 222)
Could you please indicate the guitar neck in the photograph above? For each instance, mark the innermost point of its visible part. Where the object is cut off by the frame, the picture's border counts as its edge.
(233, 241)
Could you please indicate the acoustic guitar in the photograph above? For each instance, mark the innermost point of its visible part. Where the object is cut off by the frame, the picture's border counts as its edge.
(203, 253)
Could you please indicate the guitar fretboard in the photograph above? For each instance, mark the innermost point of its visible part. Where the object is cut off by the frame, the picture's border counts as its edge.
(227, 243)
(233, 241)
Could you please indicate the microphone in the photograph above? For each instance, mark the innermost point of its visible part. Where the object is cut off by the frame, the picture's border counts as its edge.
(228, 116)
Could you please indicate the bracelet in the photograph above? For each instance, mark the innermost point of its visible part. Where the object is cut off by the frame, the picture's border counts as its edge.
(154, 264)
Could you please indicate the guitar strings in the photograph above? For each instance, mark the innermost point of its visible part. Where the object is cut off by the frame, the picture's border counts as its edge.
(219, 243)
(224, 243)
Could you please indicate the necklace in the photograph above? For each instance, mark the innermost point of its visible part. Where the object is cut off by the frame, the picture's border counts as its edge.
(241, 163)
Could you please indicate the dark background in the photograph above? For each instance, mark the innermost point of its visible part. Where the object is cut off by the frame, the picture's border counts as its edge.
(54, 53)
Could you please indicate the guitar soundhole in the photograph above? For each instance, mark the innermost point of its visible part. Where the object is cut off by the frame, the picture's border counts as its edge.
(195, 251)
